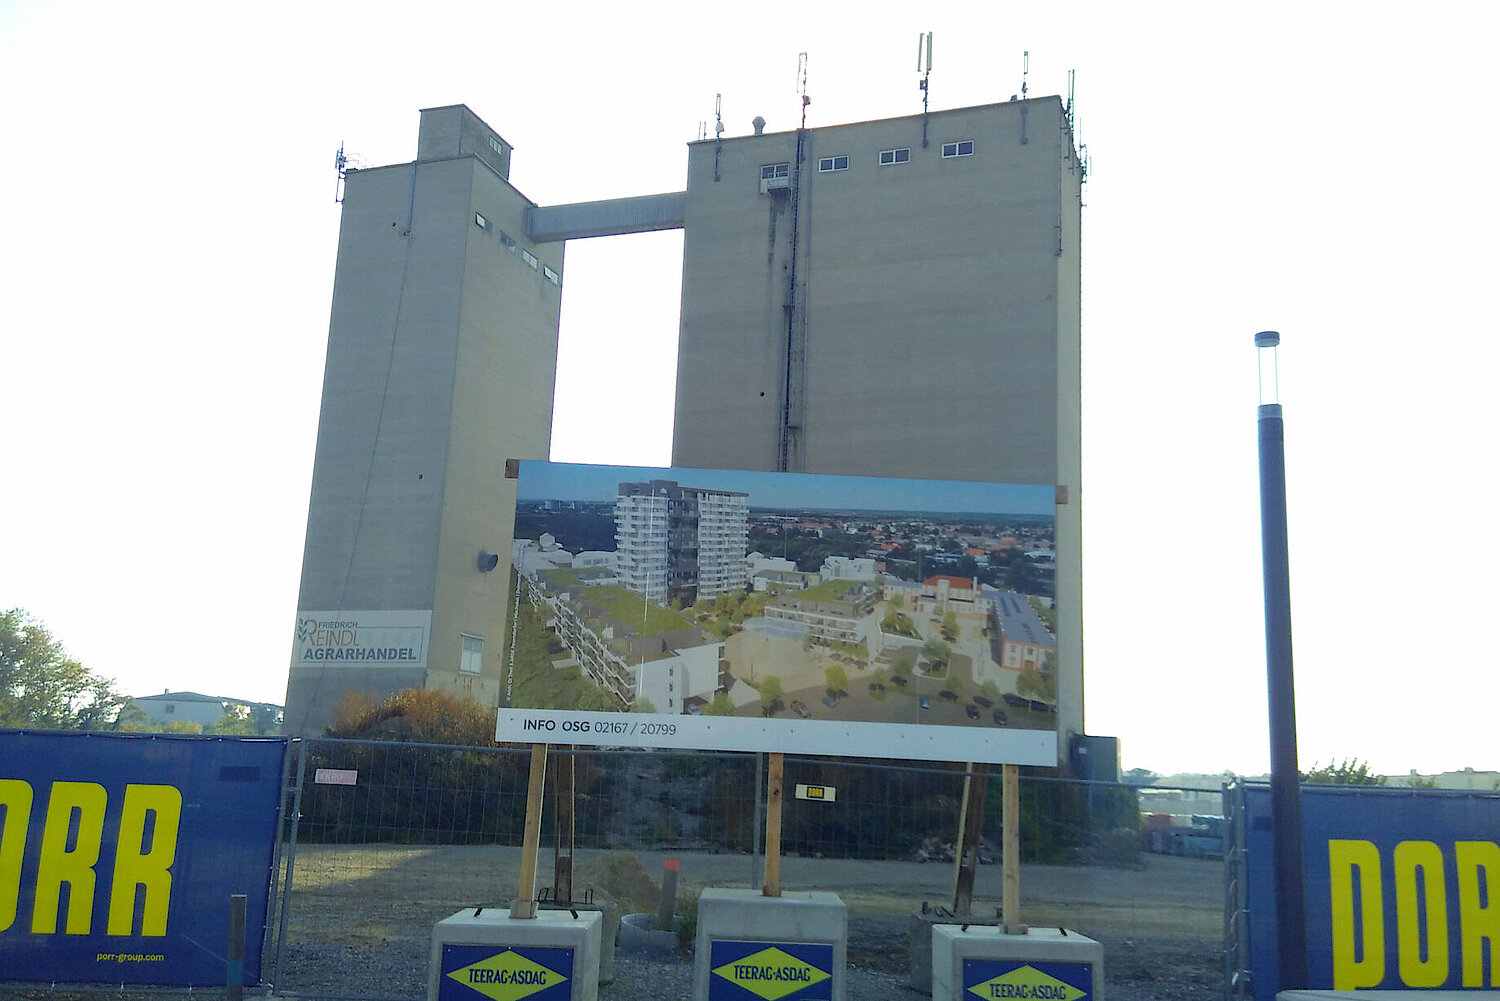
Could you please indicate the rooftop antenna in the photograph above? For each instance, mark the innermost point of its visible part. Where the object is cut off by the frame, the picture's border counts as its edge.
(1025, 69)
(802, 85)
(718, 132)
(343, 162)
(340, 162)
(1069, 110)
(924, 67)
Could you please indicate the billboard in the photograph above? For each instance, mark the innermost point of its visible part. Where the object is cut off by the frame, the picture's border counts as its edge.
(734, 610)
(119, 853)
(1400, 888)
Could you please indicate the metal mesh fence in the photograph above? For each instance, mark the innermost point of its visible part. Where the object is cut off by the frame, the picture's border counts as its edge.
(391, 838)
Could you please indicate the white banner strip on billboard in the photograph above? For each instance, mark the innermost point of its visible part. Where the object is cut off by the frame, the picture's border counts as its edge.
(929, 742)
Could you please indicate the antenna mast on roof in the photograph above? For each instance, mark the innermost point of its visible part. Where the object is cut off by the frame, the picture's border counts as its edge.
(924, 67)
(718, 131)
(1025, 69)
(802, 85)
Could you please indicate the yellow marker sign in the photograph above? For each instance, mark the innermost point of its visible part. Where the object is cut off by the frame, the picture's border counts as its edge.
(771, 973)
(507, 976)
(827, 794)
(1026, 982)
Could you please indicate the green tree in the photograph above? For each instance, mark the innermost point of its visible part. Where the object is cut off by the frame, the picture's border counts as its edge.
(937, 653)
(233, 723)
(837, 677)
(595, 699)
(719, 705)
(770, 692)
(1349, 772)
(950, 626)
(41, 686)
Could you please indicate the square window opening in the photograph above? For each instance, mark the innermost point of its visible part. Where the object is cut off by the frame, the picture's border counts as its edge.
(471, 658)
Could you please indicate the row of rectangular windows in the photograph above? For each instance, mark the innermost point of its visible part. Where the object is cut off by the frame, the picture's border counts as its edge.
(510, 244)
(886, 159)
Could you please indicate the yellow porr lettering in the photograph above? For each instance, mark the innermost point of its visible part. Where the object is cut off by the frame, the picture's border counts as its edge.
(58, 865)
(1356, 962)
(15, 804)
(1409, 857)
(150, 869)
(1477, 924)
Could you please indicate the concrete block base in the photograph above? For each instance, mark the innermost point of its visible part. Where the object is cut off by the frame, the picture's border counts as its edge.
(608, 931)
(481, 954)
(919, 941)
(1044, 963)
(748, 942)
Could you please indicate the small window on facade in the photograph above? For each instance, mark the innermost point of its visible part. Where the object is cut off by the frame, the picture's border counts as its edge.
(551, 276)
(497, 146)
(965, 148)
(481, 221)
(771, 170)
(529, 258)
(169, 709)
(890, 156)
(506, 241)
(472, 657)
(828, 163)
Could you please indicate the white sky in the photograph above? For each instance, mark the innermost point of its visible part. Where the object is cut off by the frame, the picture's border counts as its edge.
(166, 272)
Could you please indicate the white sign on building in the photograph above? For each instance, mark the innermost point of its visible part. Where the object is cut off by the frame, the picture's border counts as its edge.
(362, 639)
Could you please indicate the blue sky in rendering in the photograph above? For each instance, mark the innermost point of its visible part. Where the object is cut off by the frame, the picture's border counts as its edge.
(802, 491)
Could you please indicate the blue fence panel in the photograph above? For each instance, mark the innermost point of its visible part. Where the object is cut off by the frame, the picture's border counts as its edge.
(119, 853)
(1402, 888)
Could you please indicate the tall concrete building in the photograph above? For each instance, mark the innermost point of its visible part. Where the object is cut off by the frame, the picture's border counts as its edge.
(442, 352)
(888, 298)
(893, 298)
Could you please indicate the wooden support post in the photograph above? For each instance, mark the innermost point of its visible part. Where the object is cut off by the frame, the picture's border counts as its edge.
(1010, 813)
(970, 825)
(525, 905)
(563, 829)
(772, 887)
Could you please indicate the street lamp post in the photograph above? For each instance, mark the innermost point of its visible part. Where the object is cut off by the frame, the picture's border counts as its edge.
(1286, 803)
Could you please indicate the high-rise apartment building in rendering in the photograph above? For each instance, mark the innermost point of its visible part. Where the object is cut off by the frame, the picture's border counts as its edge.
(680, 543)
(886, 298)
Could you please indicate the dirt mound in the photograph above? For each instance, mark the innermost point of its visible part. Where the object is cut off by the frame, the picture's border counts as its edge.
(622, 878)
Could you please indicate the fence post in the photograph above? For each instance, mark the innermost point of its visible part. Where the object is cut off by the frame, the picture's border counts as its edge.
(234, 969)
(291, 860)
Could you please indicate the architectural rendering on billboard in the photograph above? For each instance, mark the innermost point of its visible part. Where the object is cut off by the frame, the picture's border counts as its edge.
(702, 608)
